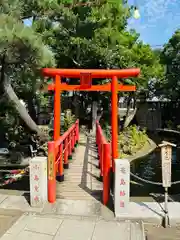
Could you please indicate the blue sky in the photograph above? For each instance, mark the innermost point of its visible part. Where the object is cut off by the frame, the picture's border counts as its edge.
(28, 22)
(159, 20)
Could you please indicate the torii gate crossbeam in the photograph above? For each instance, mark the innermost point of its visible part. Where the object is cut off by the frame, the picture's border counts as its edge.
(86, 76)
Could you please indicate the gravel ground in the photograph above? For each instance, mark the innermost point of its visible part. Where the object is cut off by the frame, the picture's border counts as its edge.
(159, 233)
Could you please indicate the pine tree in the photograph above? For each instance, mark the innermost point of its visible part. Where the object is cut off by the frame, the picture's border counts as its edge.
(22, 53)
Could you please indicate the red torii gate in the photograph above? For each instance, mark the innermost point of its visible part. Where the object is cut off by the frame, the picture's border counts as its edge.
(86, 76)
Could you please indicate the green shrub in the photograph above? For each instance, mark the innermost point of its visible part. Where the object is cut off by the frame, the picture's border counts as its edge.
(69, 120)
(130, 140)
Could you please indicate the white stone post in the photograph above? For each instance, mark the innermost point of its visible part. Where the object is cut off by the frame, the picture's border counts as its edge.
(38, 181)
(121, 187)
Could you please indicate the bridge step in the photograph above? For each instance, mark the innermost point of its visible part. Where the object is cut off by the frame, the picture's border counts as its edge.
(80, 186)
(78, 197)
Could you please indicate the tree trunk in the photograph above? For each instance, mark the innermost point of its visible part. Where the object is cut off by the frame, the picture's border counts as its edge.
(11, 95)
(31, 108)
(129, 115)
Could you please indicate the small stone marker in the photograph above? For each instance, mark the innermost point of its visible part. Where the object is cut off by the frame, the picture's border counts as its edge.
(121, 186)
(38, 181)
(166, 161)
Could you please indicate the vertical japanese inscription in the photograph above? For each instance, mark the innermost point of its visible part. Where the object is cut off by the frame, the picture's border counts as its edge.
(122, 182)
(36, 182)
(166, 165)
(122, 192)
(51, 166)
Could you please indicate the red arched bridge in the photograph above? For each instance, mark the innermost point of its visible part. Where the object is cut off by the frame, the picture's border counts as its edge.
(79, 174)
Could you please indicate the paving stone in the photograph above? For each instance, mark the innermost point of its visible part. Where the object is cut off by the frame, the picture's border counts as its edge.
(27, 235)
(154, 232)
(7, 219)
(85, 208)
(19, 225)
(18, 202)
(7, 236)
(111, 230)
(3, 197)
(46, 225)
(75, 230)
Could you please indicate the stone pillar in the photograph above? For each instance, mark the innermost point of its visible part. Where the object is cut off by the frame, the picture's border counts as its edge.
(38, 181)
(121, 187)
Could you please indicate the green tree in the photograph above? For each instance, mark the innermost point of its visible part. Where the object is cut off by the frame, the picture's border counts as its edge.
(22, 53)
(90, 34)
(96, 36)
(170, 57)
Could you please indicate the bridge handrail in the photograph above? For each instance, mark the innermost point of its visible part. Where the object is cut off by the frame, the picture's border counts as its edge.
(59, 152)
(104, 154)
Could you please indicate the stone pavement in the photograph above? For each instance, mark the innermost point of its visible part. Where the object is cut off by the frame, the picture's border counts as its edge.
(7, 219)
(154, 232)
(37, 227)
(148, 212)
(54, 226)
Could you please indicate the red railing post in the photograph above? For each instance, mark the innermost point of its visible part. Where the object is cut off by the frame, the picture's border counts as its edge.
(96, 134)
(104, 152)
(69, 147)
(99, 146)
(77, 131)
(51, 173)
(66, 164)
(99, 151)
(60, 170)
(106, 172)
(101, 160)
(74, 136)
(72, 139)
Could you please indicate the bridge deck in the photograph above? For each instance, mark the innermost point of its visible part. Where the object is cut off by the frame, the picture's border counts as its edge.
(81, 179)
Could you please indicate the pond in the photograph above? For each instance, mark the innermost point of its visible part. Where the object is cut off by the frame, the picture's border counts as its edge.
(149, 168)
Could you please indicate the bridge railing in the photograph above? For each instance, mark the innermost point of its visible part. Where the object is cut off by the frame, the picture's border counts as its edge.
(104, 154)
(59, 152)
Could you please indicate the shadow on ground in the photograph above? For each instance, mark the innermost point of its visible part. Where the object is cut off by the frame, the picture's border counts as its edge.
(97, 194)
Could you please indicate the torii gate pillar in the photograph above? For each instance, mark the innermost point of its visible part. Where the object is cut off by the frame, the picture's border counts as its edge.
(114, 118)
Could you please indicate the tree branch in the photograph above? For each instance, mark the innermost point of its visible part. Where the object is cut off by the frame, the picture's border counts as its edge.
(70, 5)
(76, 63)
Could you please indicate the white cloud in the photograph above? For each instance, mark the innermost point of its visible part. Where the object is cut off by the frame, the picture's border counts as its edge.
(156, 9)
